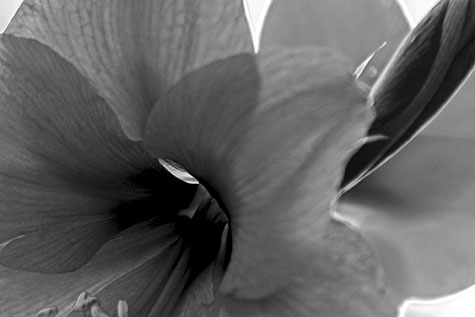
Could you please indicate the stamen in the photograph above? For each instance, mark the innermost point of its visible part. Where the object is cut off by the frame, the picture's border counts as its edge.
(122, 309)
(96, 311)
(85, 302)
(375, 138)
(89, 305)
(200, 197)
(48, 312)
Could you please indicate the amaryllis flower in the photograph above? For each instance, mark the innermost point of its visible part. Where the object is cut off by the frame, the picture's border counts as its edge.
(96, 97)
(416, 210)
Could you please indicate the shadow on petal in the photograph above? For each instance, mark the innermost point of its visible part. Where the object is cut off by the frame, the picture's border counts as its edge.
(65, 165)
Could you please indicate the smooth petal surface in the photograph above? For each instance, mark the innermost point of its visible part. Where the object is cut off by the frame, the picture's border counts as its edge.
(356, 28)
(432, 63)
(132, 51)
(64, 163)
(417, 210)
(269, 138)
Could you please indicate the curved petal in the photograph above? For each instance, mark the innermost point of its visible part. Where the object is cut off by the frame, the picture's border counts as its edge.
(131, 251)
(269, 137)
(148, 266)
(457, 119)
(154, 288)
(417, 210)
(345, 281)
(133, 50)
(64, 164)
(434, 60)
(356, 27)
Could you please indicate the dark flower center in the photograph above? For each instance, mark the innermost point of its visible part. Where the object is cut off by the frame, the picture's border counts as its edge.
(165, 196)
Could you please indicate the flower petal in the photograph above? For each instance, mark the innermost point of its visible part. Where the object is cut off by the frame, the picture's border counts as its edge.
(269, 137)
(432, 63)
(29, 292)
(133, 50)
(417, 210)
(356, 28)
(148, 266)
(346, 281)
(64, 165)
(154, 288)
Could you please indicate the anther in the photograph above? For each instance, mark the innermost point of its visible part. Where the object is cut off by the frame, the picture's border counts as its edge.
(90, 305)
(84, 302)
(48, 312)
(122, 309)
(97, 311)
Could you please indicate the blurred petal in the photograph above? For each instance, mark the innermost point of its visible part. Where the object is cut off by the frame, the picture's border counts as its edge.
(432, 63)
(64, 164)
(132, 51)
(346, 281)
(269, 137)
(356, 27)
(417, 210)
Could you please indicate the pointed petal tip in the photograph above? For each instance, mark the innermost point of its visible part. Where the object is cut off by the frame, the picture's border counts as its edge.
(435, 59)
